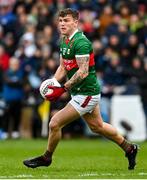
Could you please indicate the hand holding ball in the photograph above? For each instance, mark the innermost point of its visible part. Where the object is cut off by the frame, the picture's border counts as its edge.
(44, 87)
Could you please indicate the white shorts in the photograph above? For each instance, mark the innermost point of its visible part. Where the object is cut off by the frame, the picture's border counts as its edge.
(84, 104)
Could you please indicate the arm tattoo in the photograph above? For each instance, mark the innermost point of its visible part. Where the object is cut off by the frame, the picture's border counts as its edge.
(83, 63)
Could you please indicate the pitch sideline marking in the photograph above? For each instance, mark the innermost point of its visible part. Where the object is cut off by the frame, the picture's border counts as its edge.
(17, 176)
(82, 175)
(110, 174)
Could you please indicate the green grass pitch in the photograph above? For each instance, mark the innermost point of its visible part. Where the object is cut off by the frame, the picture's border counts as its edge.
(73, 159)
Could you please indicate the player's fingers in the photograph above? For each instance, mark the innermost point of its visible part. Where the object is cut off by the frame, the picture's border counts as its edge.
(51, 87)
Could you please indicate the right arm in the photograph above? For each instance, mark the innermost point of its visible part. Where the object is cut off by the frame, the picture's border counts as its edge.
(60, 72)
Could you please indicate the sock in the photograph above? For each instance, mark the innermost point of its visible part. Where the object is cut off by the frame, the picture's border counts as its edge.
(48, 155)
(126, 146)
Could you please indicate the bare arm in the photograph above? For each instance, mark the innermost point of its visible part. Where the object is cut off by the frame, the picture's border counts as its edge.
(83, 64)
(60, 72)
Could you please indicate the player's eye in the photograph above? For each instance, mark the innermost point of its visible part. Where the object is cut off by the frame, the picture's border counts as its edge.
(66, 20)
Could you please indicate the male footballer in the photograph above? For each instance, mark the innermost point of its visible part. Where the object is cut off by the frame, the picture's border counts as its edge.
(77, 63)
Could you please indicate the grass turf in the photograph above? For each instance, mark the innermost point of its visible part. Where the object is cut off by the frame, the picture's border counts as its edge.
(73, 159)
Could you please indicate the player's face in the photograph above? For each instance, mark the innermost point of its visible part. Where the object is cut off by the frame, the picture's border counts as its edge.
(67, 25)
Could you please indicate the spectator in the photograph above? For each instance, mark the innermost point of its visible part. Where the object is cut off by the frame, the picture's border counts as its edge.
(132, 45)
(7, 17)
(114, 43)
(135, 23)
(13, 95)
(4, 58)
(112, 28)
(125, 13)
(10, 44)
(1, 34)
(100, 59)
(105, 19)
(113, 76)
(133, 73)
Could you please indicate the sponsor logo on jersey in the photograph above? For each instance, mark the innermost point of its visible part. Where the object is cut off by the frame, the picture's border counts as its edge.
(65, 51)
(68, 51)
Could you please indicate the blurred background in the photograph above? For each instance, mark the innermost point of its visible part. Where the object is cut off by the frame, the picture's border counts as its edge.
(29, 54)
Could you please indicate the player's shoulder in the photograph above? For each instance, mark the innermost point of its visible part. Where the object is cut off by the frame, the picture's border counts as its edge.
(81, 38)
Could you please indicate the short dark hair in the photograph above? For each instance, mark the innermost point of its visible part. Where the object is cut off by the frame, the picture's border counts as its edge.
(69, 11)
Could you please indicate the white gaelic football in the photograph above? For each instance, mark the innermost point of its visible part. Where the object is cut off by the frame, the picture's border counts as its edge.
(44, 90)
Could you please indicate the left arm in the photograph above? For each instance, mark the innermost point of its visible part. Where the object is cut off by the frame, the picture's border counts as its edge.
(60, 72)
(83, 64)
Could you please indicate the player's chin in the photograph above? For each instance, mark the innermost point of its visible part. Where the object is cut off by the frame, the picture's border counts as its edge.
(64, 32)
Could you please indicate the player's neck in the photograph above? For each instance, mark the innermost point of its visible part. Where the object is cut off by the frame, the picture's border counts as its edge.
(72, 34)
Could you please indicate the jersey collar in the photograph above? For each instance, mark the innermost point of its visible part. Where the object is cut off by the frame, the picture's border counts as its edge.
(73, 34)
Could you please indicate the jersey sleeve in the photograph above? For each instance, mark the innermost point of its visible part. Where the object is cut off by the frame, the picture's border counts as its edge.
(82, 48)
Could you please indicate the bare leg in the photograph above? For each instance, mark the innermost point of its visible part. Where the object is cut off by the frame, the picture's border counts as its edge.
(58, 121)
(94, 120)
(96, 124)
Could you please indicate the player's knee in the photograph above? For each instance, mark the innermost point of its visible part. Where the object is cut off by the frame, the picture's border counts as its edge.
(93, 129)
(100, 124)
(53, 125)
(96, 128)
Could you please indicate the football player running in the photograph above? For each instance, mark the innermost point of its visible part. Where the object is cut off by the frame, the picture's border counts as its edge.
(77, 63)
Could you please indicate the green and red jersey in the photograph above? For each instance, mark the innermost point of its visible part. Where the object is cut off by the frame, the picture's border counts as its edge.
(77, 46)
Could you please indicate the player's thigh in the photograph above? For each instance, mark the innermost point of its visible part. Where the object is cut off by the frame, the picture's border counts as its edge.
(65, 116)
(94, 118)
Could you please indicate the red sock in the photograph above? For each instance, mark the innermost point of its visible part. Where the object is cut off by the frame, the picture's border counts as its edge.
(48, 155)
(126, 146)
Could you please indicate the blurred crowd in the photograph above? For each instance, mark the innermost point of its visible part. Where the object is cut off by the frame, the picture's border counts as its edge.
(29, 54)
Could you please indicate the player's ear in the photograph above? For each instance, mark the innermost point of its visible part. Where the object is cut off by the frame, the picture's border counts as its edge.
(76, 22)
